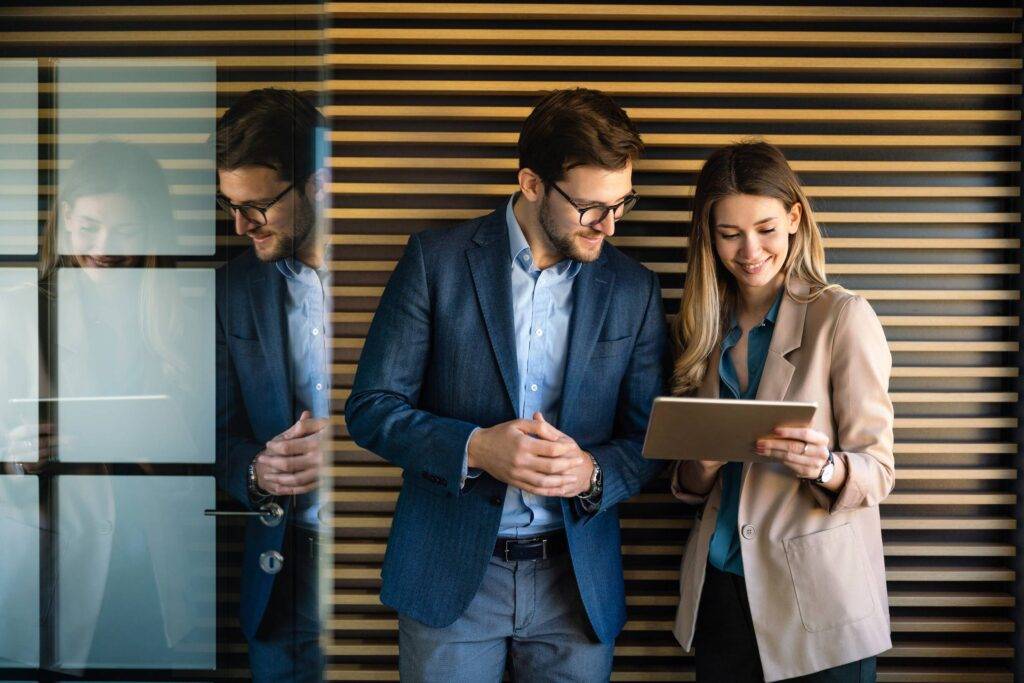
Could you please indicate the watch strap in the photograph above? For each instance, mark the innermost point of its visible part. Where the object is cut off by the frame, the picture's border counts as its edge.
(831, 461)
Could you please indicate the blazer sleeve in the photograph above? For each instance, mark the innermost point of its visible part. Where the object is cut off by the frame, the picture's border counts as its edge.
(236, 443)
(624, 469)
(679, 492)
(861, 409)
(380, 413)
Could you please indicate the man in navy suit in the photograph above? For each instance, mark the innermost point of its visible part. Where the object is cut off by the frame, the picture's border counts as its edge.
(273, 371)
(509, 371)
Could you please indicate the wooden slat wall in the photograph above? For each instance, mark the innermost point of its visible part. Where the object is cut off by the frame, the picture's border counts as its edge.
(904, 123)
(252, 45)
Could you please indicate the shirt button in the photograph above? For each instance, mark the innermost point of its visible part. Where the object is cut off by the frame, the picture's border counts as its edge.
(316, 331)
(747, 531)
(540, 332)
(533, 387)
(319, 386)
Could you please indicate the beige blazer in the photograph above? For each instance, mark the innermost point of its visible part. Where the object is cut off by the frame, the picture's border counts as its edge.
(812, 560)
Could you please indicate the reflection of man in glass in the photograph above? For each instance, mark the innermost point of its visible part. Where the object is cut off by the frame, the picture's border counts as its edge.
(272, 370)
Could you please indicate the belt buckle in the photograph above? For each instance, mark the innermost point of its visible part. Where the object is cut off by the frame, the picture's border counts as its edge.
(543, 548)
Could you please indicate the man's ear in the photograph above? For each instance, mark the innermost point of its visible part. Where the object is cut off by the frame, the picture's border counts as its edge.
(530, 185)
(317, 184)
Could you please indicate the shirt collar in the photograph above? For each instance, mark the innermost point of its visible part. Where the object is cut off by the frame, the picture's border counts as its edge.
(769, 318)
(519, 249)
(290, 267)
(294, 269)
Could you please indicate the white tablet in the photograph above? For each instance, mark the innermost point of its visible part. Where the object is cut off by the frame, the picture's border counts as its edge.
(717, 429)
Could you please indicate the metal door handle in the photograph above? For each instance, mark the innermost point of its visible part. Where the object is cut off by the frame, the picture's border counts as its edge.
(270, 514)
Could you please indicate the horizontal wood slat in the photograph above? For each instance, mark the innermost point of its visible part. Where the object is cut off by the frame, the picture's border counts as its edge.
(703, 38)
(683, 64)
(643, 12)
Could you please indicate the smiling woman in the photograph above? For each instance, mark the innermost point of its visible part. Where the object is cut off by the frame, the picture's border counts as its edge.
(758, 320)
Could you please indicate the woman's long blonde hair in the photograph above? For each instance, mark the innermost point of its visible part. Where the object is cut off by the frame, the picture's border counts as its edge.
(709, 295)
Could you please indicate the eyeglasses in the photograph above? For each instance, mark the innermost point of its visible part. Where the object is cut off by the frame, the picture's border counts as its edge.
(257, 215)
(592, 215)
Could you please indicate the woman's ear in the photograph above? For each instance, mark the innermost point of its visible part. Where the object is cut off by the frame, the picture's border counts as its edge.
(795, 213)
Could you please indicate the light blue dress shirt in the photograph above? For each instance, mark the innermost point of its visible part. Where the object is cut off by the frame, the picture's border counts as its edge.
(724, 551)
(306, 306)
(542, 302)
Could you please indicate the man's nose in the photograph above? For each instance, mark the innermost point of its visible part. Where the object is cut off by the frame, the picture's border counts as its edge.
(607, 225)
(242, 224)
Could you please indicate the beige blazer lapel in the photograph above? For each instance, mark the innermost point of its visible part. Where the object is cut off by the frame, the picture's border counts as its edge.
(789, 330)
(709, 387)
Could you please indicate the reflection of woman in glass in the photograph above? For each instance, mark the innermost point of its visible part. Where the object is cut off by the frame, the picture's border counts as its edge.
(113, 202)
(783, 574)
(125, 394)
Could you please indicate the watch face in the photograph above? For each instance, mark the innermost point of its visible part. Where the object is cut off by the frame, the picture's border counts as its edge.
(827, 472)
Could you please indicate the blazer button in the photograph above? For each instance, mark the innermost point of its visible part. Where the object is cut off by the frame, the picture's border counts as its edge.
(747, 531)
(271, 561)
(496, 501)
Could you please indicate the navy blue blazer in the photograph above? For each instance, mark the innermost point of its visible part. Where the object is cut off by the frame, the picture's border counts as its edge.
(255, 403)
(440, 360)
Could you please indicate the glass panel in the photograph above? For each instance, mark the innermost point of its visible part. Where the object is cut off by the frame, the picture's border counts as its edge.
(19, 365)
(19, 152)
(19, 571)
(136, 571)
(135, 356)
(120, 123)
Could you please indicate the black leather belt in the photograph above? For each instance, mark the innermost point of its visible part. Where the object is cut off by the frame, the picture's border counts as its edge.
(533, 548)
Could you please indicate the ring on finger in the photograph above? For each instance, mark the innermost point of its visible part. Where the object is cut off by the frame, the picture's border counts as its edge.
(804, 451)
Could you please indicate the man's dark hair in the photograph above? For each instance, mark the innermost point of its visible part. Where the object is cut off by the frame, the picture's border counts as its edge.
(273, 128)
(578, 127)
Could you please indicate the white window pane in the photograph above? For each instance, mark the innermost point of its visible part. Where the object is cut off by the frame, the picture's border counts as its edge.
(136, 572)
(19, 365)
(19, 152)
(135, 364)
(19, 572)
(136, 172)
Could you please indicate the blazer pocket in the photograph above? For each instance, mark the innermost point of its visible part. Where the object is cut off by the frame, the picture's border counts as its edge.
(611, 347)
(830, 578)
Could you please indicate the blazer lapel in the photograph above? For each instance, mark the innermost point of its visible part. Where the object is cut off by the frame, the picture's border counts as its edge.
(709, 387)
(267, 294)
(490, 266)
(789, 330)
(591, 299)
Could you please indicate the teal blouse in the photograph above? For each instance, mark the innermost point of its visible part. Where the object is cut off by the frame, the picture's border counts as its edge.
(724, 552)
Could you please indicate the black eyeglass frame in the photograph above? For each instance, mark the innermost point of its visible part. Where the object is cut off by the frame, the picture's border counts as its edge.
(231, 209)
(630, 199)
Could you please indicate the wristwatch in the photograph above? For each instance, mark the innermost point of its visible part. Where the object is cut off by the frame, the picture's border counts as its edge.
(256, 494)
(827, 470)
(596, 483)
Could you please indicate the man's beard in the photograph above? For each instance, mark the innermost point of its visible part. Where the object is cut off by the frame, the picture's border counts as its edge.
(563, 241)
(289, 244)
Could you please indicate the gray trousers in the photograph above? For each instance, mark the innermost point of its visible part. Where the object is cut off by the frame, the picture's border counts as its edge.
(527, 614)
